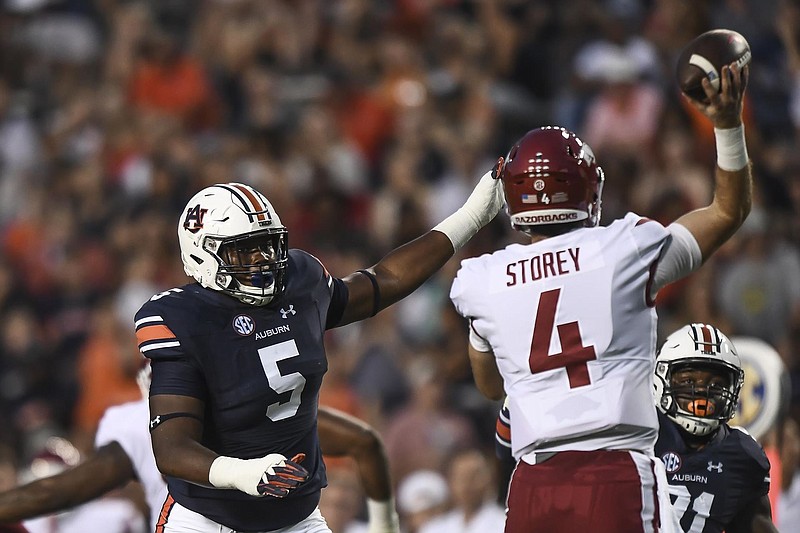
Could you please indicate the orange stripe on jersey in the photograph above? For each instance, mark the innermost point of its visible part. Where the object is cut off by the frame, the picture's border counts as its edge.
(503, 430)
(154, 333)
(253, 200)
(163, 516)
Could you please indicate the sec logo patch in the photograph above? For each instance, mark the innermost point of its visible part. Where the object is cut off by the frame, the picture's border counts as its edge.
(672, 462)
(243, 325)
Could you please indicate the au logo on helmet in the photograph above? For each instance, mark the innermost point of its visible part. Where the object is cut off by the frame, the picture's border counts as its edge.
(194, 219)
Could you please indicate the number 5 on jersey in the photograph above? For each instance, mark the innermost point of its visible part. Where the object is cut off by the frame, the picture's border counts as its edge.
(280, 383)
(573, 355)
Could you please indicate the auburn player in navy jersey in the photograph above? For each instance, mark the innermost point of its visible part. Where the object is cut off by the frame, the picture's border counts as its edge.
(718, 475)
(238, 357)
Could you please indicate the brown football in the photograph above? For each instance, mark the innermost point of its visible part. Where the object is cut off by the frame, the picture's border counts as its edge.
(705, 56)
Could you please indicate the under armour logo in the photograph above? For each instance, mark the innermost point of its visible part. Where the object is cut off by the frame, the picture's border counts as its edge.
(716, 468)
(155, 421)
(286, 312)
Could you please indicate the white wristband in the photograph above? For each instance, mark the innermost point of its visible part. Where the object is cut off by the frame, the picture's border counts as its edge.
(225, 471)
(479, 209)
(731, 148)
(382, 516)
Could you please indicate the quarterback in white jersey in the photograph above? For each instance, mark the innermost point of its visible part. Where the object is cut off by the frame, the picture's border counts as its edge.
(548, 312)
(565, 326)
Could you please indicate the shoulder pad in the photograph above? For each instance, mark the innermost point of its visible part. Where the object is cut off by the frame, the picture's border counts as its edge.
(750, 446)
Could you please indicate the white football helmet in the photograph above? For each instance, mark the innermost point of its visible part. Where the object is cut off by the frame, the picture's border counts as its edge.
(220, 227)
(699, 410)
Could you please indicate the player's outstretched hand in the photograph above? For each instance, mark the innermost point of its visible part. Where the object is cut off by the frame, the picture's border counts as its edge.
(480, 208)
(724, 108)
(278, 480)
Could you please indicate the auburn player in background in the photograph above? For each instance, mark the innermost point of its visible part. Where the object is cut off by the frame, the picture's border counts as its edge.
(238, 357)
(566, 326)
(123, 453)
(719, 476)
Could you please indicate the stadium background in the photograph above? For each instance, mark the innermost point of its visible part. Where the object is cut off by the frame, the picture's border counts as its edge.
(365, 122)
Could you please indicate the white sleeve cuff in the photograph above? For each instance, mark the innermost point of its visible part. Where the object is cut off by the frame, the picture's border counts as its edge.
(478, 342)
(681, 257)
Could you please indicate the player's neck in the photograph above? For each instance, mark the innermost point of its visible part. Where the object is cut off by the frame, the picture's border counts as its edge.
(697, 443)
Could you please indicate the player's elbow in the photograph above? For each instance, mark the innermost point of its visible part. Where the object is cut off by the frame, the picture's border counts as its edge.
(367, 443)
(732, 217)
(167, 460)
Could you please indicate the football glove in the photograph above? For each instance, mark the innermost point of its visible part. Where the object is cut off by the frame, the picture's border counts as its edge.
(272, 475)
(281, 478)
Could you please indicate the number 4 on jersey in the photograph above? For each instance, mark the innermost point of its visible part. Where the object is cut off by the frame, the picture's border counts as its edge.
(573, 355)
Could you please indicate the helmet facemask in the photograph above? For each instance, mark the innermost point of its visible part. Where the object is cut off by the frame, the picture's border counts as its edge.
(699, 408)
(252, 267)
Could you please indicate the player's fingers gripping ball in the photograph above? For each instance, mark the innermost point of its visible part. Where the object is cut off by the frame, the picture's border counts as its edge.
(701, 407)
(279, 479)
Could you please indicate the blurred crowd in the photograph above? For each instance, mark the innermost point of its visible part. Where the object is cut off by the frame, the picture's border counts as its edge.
(365, 122)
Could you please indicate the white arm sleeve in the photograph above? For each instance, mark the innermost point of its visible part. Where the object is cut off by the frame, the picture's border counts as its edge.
(478, 342)
(681, 257)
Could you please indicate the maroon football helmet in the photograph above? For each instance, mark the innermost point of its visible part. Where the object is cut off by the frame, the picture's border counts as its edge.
(549, 177)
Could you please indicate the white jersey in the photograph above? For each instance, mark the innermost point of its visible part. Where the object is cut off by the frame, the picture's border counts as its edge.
(117, 515)
(573, 330)
(128, 425)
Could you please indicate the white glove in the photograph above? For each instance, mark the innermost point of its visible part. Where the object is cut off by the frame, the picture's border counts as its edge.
(271, 475)
(479, 209)
(382, 516)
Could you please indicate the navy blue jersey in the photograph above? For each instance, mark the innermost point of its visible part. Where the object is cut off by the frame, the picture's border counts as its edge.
(710, 486)
(259, 371)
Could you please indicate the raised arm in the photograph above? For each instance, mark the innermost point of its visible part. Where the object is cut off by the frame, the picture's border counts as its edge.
(107, 468)
(405, 268)
(343, 435)
(714, 224)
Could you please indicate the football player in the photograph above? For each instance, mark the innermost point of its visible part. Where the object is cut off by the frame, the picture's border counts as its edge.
(565, 326)
(123, 453)
(238, 357)
(718, 475)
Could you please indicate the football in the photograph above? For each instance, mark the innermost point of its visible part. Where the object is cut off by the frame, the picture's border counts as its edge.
(705, 56)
